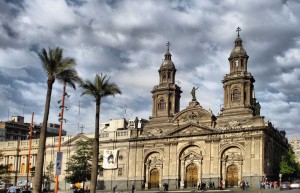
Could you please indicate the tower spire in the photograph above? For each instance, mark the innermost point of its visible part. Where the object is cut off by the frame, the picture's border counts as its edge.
(166, 95)
(238, 29)
(238, 84)
(168, 46)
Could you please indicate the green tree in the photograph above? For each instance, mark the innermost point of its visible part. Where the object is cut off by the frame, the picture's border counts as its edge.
(288, 165)
(4, 171)
(101, 87)
(298, 171)
(56, 67)
(79, 165)
(49, 175)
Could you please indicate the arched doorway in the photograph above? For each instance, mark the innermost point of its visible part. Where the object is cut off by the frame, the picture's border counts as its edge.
(232, 176)
(191, 175)
(154, 178)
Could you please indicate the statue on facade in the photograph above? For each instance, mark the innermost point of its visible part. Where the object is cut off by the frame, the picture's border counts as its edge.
(193, 92)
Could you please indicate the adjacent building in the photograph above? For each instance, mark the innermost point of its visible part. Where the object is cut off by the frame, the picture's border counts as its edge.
(17, 129)
(295, 144)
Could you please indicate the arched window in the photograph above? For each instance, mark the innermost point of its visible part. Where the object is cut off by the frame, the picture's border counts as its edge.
(23, 168)
(161, 104)
(236, 95)
(10, 168)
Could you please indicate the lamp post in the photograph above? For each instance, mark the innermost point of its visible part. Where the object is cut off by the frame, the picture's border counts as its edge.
(29, 151)
(280, 176)
(59, 154)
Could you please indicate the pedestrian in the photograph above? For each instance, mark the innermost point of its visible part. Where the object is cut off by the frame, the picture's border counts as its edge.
(260, 185)
(221, 185)
(114, 189)
(246, 185)
(132, 189)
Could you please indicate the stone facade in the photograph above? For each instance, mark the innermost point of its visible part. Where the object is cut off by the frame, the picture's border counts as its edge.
(295, 144)
(184, 148)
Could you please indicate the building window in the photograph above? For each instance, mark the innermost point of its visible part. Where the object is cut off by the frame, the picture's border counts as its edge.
(10, 168)
(23, 168)
(101, 171)
(161, 104)
(236, 95)
(103, 135)
(120, 171)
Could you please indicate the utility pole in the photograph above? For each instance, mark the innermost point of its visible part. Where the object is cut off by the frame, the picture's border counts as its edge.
(79, 116)
(58, 153)
(29, 151)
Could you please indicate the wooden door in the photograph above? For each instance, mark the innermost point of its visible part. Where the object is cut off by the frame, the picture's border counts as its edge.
(191, 175)
(232, 176)
(154, 178)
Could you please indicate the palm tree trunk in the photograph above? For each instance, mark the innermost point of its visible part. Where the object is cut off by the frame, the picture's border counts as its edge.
(38, 176)
(95, 158)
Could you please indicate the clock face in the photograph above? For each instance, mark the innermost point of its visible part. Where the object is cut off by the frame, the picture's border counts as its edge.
(236, 63)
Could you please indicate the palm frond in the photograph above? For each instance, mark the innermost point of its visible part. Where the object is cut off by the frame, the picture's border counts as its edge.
(101, 87)
(70, 76)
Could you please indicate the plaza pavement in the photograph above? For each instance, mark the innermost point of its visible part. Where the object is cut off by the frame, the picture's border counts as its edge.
(226, 190)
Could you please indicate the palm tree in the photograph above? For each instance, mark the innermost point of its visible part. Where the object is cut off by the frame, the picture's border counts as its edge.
(56, 67)
(98, 89)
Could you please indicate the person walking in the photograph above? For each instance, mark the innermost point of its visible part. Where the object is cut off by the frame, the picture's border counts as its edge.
(114, 189)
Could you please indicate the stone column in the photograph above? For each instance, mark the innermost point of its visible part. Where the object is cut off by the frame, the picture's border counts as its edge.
(223, 172)
(240, 164)
(243, 101)
(147, 173)
(182, 163)
(200, 172)
(160, 169)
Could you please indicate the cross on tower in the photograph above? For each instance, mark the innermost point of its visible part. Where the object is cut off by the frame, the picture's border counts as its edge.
(168, 45)
(238, 29)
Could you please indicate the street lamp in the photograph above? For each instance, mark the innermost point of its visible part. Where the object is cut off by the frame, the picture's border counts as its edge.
(61, 120)
(29, 151)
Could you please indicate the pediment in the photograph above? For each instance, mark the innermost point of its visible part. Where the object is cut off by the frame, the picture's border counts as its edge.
(192, 156)
(191, 128)
(156, 131)
(194, 113)
(72, 139)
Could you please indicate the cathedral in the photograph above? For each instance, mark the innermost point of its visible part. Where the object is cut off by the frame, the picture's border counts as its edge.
(182, 148)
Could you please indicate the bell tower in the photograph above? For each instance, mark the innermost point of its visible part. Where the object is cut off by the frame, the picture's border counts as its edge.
(166, 95)
(239, 96)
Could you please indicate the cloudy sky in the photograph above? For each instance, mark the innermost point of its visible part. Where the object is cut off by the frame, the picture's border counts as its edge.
(127, 41)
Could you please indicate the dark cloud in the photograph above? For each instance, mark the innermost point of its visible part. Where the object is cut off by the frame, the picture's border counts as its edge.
(113, 3)
(9, 31)
(126, 40)
(76, 2)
